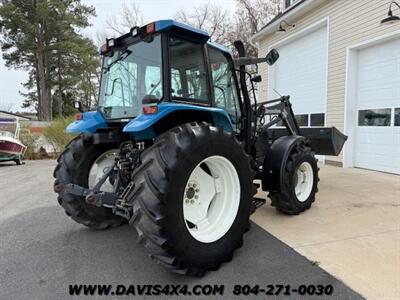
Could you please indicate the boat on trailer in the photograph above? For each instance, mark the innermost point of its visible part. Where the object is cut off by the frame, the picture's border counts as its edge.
(11, 148)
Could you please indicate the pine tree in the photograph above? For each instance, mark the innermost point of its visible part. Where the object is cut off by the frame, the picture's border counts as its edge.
(40, 36)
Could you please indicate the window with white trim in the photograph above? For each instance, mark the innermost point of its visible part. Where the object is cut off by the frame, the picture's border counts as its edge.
(397, 116)
(308, 120)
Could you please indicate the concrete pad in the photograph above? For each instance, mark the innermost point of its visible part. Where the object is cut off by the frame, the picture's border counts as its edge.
(352, 230)
(369, 264)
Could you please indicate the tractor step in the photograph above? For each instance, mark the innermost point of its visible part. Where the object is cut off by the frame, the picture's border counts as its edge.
(256, 203)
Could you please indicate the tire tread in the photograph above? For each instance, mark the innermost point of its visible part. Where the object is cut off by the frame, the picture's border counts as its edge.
(158, 166)
(282, 200)
(67, 167)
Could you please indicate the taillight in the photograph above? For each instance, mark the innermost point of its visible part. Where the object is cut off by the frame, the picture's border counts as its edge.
(103, 49)
(79, 117)
(150, 109)
(150, 28)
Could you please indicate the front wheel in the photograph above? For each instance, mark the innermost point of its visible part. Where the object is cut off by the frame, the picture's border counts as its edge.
(192, 198)
(300, 182)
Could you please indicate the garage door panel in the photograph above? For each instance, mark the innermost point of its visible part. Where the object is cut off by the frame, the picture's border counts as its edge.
(378, 94)
(375, 164)
(378, 52)
(301, 72)
(377, 84)
(396, 158)
(375, 136)
(365, 158)
(378, 151)
(375, 150)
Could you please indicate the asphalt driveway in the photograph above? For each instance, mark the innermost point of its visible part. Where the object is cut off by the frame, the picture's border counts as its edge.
(42, 251)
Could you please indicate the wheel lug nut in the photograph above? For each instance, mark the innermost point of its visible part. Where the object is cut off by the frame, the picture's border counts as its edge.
(194, 185)
(187, 201)
(196, 197)
(191, 201)
(197, 190)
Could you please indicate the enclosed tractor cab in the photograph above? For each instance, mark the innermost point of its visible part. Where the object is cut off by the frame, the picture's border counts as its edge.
(176, 146)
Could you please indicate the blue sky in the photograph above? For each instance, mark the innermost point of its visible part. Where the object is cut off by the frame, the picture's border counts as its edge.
(10, 80)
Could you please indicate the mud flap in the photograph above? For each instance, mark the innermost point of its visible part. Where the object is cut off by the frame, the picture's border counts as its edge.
(275, 161)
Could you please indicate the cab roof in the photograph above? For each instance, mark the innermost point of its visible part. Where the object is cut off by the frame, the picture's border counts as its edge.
(184, 30)
(195, 33)
(170, 25)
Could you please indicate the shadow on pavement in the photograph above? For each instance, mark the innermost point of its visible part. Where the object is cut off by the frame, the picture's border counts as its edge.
(8, 164)
(43, 251)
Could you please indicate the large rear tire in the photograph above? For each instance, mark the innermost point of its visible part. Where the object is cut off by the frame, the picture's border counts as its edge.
(73, 166)
(180, 170)
(300, 182)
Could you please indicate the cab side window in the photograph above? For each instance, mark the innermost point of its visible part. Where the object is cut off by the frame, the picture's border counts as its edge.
(223, 83)
(188, 73)
(152, 81)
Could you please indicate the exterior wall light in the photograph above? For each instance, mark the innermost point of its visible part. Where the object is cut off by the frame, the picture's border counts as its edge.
(283, 30)
(390, 18)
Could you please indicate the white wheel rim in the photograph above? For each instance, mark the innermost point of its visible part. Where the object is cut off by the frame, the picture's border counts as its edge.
(101, 165)
(211, 202)
(305, 181)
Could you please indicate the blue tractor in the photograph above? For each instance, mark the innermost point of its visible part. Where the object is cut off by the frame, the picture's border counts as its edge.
(179, 146)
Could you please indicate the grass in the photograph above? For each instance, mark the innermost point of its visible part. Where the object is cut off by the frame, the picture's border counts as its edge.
(315, 263)
(28, 139)
(56, 135)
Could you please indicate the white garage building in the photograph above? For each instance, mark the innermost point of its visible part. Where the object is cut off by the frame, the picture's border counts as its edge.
(341, 67)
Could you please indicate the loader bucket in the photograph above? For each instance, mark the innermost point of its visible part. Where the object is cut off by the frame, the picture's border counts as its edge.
(322, 140)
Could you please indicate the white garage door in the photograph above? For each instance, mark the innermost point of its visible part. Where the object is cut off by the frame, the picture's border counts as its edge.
(301, 73)
(377, 143)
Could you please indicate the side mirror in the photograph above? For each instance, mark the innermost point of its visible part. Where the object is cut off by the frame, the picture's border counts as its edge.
(272, 56)
(78, 105)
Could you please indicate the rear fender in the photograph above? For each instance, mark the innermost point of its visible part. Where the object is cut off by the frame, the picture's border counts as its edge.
(275, 161)
(90, 122)
(148, 126)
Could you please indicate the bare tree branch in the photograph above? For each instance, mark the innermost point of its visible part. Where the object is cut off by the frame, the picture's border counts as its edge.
(129, 16)
(210, 18)
(223, 27)
(249, 17)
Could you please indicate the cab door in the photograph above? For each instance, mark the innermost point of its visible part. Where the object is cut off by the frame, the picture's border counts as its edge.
(188, 71)
(224, 84)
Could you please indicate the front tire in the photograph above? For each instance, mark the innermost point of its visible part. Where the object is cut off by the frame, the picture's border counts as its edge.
(300, 182)
(73, 166)
(178, 171)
